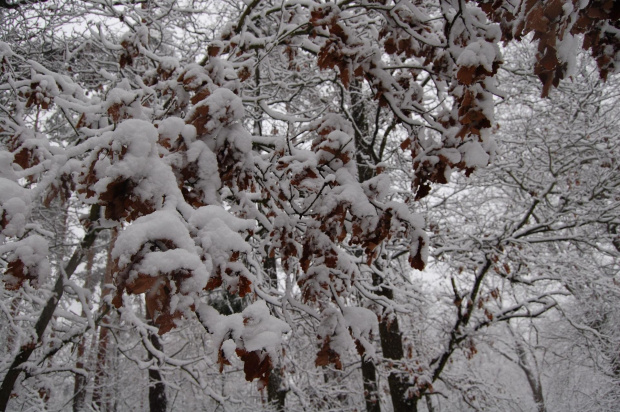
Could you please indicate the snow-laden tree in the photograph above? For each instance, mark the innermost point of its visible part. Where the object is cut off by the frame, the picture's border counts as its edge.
(248, 148)
(537, 229)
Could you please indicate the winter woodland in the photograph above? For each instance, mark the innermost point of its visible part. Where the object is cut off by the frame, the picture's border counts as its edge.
(308, 205)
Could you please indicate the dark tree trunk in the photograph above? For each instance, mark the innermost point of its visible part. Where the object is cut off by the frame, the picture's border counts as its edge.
(363, 152)
(365, 171)
(389, 331)
(392, 347)
(158, 402)
(275, 393)
(371, 393)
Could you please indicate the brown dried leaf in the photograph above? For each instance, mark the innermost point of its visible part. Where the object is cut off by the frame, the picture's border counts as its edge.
(141, 284)
(215, 281)
(466, 75)
(415, 259)
(328, 356)
(200, 96)
(243, 287)
(254, 367)
(536, 19)
(16, 274)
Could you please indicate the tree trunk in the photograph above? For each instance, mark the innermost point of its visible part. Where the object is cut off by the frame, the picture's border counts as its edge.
(364, 172)
(371, 393)
(6, 389)
(11, 339)
(429, 404)
(158, 402)
(392, 346)
(100, 368)
(532, 378)
(275, 394)
(100, 398)
(389, 331)
(79, 387)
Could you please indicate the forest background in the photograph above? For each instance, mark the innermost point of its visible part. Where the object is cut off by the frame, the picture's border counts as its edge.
(309, 205)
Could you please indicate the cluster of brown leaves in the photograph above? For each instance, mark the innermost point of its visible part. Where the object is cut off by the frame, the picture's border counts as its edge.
(16, 274)
(335, 51)
(256, 365)
(327, 355)
(157, 289)
(232, 169)
(234, 279)
(397, 38)
(119, 199)
(129, 53)
(550, 22)
(62, 189)
(283, 239)
(23, 155)
(325, 259)
(426, 171)
(38, 96)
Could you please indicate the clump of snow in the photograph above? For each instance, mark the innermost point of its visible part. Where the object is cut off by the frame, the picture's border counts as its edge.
(225, 108)
(140, 36)
(189, 134)
(566, 52)
(363, 325)
(403, 214)
(137, 139)
(125, 101)
(350, 192)
(473, 154)
(6, 166)
(5, 50)
(218, 233)
(255, 329)
(451, 154)
(479, 53)
(221, 327)
(15, 206)
(261, 330)
(207, 173)
(378, 187)
(229, 347)
(160, 225)
(170, 128)
(45, 88)
(336, 150)
(335, 328)
(168, 63)
(195, 76)
(330, 122)
(219, 230)
(206, 215)
(169, 261)
(135, 158)
(32, 251)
